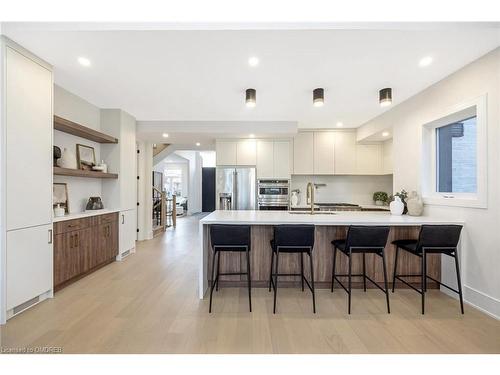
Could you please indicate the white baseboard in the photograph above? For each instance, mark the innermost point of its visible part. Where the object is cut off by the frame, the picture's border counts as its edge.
(483, 302)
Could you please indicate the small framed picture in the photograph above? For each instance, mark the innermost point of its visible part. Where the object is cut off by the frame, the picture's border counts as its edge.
(85, 157)
(60, 196)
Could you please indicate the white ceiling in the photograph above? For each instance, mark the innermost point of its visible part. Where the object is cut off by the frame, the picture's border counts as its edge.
(187, 75)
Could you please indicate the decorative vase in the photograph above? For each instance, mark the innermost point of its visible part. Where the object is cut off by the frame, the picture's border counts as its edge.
(58, 211)
(294, 200)
(397, 207)
(379, 203)
(67, 160)
(414, 204)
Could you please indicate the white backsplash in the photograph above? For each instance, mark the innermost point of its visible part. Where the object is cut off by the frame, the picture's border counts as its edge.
(345, 189)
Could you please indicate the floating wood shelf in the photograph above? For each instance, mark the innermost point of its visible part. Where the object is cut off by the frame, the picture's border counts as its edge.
(71, 127)
(81, 173)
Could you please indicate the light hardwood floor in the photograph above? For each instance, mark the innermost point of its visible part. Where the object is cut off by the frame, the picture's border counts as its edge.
(148, 304)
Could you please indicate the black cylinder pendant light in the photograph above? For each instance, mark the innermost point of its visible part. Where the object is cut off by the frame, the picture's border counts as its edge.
(318, 97)
(385, 97)
(250, 97)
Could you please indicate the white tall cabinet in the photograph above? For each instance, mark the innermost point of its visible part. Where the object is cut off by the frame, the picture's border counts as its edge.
(26, 181)
(122, 192)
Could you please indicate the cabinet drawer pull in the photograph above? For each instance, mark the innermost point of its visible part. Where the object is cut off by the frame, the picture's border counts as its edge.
(123, 219)
(50, 236)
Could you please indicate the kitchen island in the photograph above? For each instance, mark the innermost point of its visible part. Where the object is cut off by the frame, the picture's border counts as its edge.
(329, 226)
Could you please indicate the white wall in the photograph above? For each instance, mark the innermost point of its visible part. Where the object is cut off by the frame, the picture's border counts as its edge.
(72, 107)
(345, 189)
(480, 258)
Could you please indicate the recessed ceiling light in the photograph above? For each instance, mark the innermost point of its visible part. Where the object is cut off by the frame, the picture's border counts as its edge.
(339, 124)
(198, 143)
(253, 61)
(385, 134)
(252, 135)
(165, 135)
(425, 61)
(84, 61)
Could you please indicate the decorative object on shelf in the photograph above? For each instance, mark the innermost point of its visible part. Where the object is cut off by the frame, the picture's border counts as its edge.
(380, 198)
(67, 160)
(58, 211)
(101, 167)
(294, 200)
(60, 196)
(403, 194)
(397, 207)
(415, 204)
(85, 157)
(94, 203)
(57, 154)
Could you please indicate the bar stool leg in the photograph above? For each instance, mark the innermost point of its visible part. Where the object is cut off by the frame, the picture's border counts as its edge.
(213, 281)
(248, 280)
(395, 269)
(312, 281)
(302, 270)
(218, 266)
(349, 287)
(333, 267)
(385, 282)
(459, 283)
(424, 266)
(276, 279)
(271, 271)
(364, 272)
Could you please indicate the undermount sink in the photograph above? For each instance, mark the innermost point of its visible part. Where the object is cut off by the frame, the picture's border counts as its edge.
(309, 213)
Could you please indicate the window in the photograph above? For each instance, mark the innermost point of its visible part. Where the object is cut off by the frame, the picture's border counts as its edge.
(454, 169)
(173, 182)
(456, 157)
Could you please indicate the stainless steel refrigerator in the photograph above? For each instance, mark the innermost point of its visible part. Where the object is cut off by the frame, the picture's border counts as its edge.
(236, 188)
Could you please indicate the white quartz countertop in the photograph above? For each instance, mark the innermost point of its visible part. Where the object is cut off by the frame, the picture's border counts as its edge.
(79, 215)
(252, 217)
(367, 206)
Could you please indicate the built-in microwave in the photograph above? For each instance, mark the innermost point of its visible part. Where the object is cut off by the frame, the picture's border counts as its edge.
(273, 194)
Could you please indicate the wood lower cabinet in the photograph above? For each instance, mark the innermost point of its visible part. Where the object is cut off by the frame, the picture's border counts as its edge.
(82, 246)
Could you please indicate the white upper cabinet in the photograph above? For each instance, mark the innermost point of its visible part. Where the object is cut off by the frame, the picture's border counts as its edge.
(29, 123)
(282, 159)
(303, 154)
(387, 157)
(324, 153)
(345, 152)
(368, 159)
(246, 152)
(265, 159)
(225, 152)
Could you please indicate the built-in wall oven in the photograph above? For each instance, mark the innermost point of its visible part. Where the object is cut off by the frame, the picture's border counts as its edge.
(273, 195)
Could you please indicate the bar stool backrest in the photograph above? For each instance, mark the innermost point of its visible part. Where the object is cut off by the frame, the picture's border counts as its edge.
(294, 235)
(441, 236)
(227, 235)
(367, 236)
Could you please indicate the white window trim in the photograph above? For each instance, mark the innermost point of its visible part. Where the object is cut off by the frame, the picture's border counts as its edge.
(478, 108)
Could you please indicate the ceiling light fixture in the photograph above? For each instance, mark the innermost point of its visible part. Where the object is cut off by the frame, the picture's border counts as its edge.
(198, 143)
(165, 135)
(252, 135)
(339, 124)
(251, 97)
(253, 61)
(385, 134)
(425, 61)
(318, 97)
(385, 97)
(84, 61)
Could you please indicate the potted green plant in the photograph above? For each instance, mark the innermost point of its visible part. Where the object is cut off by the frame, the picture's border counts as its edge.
(380, 198)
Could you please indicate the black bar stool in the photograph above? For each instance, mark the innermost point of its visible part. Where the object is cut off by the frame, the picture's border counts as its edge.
(292, 239)
(364, 240)
(433, 239)
(229, 238)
